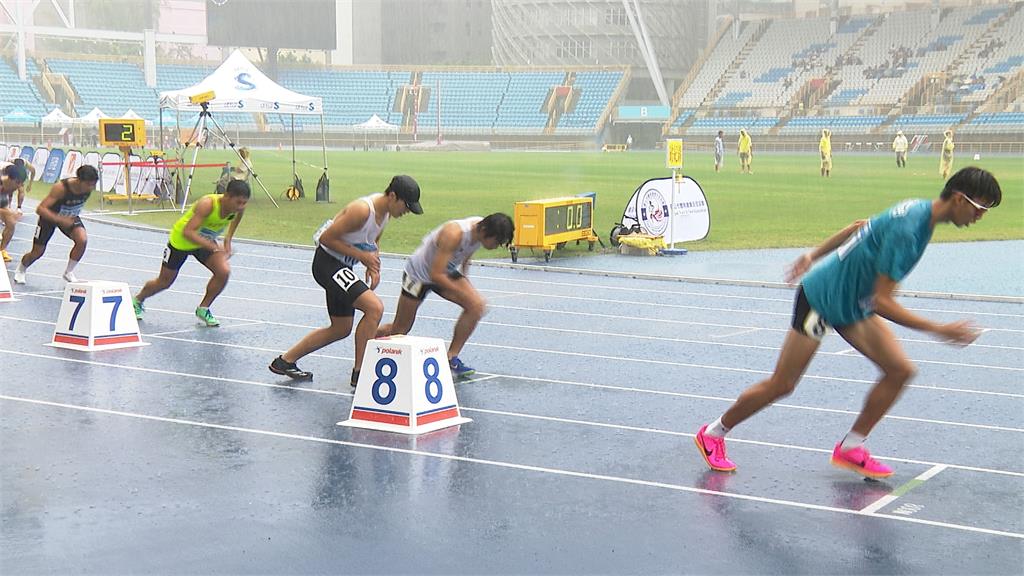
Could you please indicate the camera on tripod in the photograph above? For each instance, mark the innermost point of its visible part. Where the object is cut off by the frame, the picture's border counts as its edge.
(202, 98)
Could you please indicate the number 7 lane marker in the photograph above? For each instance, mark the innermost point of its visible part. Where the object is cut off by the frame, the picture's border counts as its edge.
(902, 490)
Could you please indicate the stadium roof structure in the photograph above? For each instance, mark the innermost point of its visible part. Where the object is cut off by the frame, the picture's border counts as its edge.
(240, 87)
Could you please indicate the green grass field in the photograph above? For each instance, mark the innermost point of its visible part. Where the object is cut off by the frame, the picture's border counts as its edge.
(785, 203)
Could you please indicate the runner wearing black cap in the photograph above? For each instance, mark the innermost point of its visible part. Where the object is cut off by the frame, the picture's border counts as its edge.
(351, 237)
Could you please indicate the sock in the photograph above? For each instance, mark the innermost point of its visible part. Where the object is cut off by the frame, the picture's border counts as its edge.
(851, 441)
(71, 266)
(716, 429)
(21, 268)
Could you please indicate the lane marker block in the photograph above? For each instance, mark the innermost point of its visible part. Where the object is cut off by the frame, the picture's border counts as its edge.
(96, 315)
(405, 386)
(6, 294)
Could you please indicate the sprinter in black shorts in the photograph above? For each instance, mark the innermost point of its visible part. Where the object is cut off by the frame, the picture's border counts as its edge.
(60, 210)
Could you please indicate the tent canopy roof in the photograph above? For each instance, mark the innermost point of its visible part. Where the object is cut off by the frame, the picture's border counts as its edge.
(240, 87)
(375, 123)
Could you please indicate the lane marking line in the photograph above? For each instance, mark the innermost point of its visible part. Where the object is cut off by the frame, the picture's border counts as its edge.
(701, 366)
(902, 490)
(497, 412)
(517, 466)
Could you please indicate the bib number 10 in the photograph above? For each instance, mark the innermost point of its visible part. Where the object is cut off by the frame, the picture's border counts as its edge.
(384, 388)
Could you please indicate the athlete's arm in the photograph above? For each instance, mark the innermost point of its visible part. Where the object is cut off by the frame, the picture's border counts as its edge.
(231, 231)
(804, 262)
(350, 220)
(45, 208)
(31, 178)
(886, 306)
(448, 240)
(191, 232)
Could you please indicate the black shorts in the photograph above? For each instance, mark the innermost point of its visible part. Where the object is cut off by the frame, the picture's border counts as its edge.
(5, 200)
(806, 320)
(175, 259)
(419, 290)
(45, 228)
(339, 281)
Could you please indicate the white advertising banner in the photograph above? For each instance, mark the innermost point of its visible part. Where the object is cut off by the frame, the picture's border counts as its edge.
(648, 207)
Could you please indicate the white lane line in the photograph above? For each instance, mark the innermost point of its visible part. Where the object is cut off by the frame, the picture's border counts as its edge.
(521, 415)
(512, 466)
(650, 277)
(741, 332)
(594, 286)
(195, 329)
(589, 332)
(902, 490)
(475, 380)
(678, 364)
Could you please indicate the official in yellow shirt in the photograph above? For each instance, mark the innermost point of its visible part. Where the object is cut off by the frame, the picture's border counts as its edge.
(746, 152)
(825, 148)
(946, 160)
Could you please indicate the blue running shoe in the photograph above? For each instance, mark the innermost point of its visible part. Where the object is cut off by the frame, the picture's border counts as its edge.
(459, 368)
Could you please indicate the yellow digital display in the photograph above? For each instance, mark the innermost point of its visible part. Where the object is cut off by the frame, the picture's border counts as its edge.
(122, 132)
(550, 223)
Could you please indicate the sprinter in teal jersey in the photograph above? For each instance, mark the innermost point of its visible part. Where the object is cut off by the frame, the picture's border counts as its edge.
(195, 234)
(852, 291)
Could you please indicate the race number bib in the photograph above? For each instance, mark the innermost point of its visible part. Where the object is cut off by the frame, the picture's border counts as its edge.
(412, 287)
(346, 278)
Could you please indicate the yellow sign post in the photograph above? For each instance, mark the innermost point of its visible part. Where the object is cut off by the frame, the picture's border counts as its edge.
(673, 161)
(674, 154)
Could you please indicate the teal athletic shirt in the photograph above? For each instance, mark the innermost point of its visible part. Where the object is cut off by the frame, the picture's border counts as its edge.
(841, 289)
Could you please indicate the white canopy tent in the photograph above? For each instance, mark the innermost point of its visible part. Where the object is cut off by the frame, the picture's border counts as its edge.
(240, 87)
(57, 117)
(378, 127)
(92, 118)
(130, 114)
(375, 124)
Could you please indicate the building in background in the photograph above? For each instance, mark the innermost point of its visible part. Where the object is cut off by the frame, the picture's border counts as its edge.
(604, 33)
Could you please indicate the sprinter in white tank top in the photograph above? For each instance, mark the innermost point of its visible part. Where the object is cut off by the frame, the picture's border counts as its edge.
(441, 264)
(352, 237)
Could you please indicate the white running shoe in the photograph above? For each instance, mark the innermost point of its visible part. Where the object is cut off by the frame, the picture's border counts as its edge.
(19, 275)
(70, 277)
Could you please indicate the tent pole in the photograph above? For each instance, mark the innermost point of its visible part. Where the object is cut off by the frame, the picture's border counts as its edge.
(323, 138)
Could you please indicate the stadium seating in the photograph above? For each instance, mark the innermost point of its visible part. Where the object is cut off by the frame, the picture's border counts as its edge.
(997, 122)
(837, 124)
(15, 94)
(596, 90)
(725, 52)
(1000, 56)
(95, 83)
(731, 125)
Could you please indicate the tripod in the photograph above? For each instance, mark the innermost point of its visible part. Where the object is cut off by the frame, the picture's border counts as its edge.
(199, 135)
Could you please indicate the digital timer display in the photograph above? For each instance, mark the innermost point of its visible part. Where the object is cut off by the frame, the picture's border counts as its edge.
(122, 132)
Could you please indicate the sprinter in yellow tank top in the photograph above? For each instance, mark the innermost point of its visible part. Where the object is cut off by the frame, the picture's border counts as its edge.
(195, 234)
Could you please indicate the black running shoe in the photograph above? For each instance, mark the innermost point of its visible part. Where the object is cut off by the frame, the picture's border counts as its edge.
(355, 378)
(289, 369)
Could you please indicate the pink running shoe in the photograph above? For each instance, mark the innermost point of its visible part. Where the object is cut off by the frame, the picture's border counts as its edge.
(860, 461)
(713, 451)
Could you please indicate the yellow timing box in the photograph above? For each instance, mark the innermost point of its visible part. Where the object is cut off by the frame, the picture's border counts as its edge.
(123, 132)
(202, 97)
(550, 223)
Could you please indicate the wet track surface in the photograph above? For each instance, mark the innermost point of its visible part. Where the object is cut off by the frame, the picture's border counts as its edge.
(188, 455)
